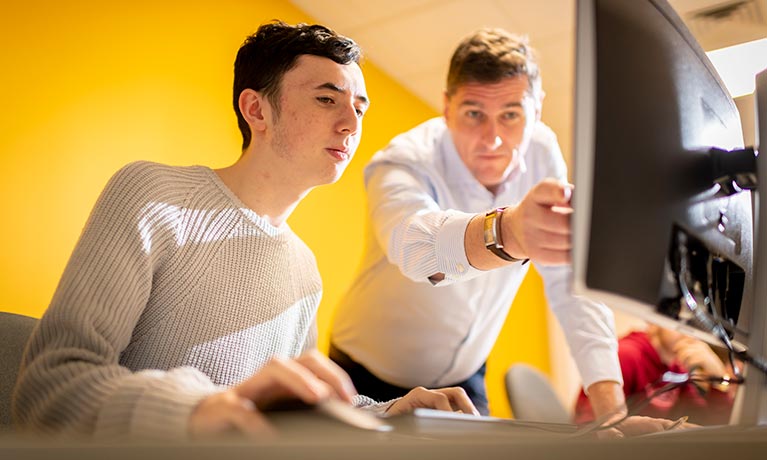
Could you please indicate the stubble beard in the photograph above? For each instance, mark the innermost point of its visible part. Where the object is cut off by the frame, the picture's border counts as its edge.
(298, 173)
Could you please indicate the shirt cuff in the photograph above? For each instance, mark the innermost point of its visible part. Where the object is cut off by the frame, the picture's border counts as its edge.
(155, 405)
(371, 405)
(451, 249)
(598, 366)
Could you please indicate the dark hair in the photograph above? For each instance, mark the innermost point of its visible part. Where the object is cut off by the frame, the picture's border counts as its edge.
(273, 50)
(490, 55)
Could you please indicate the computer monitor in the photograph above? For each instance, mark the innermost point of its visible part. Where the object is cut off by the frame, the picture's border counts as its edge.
(661, 226)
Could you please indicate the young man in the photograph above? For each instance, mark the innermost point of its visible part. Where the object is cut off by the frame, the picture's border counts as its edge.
(457, 207)
(188, 302)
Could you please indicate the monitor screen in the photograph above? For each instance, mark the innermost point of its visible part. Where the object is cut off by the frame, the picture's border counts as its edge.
(653, 234)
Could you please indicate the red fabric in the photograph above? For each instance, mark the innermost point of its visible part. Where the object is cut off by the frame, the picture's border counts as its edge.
(642, 369)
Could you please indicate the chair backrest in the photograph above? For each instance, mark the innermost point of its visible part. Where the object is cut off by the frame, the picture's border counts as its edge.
(532, 397)
(14, 332)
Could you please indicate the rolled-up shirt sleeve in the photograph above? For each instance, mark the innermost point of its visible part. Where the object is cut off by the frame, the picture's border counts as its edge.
(589, 327)
(414, 233)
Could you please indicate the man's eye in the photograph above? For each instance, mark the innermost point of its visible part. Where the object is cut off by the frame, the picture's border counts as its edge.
(325, 99)
(474, 114)
(511, 116)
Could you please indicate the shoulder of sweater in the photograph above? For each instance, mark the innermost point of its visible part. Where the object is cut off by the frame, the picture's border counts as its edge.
(149, 194)
(158, 172)
(142, 178)
(303, 248)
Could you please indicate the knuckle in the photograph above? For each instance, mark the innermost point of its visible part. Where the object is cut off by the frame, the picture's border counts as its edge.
(276, 360)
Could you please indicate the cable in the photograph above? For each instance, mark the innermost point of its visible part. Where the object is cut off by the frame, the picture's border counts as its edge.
(672, 381)
(638, 402)
(705, 320)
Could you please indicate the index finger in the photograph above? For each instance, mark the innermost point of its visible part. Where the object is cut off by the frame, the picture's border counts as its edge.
(551, 192)
(330, 373)
(283, 378)
(459, 400)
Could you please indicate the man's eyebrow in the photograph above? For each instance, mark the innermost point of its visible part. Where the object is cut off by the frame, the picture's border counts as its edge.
(335, 88)
(473, 103)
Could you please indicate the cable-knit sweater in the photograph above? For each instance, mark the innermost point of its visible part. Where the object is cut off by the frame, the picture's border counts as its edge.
(174, 290)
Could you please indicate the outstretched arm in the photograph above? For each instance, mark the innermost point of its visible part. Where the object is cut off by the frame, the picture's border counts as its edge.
(538, 228)
(606, 397)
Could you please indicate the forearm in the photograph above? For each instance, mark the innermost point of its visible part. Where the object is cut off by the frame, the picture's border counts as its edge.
(588, 327)
(606, 397)
(427, 243)
(477, 253)
(70, 385)
(412, 229)
(536, 228)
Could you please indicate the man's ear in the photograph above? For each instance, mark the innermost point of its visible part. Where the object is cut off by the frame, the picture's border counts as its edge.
(253, 106)
(445, 102)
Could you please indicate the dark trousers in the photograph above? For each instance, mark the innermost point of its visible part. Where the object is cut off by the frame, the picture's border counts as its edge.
(370, 385)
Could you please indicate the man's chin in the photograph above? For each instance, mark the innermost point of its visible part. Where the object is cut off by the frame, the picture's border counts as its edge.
(491, 181)
(332, 178)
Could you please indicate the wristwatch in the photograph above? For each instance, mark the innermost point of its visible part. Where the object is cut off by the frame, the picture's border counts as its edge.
(493, 238)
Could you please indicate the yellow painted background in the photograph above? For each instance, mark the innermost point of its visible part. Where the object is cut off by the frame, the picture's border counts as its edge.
(88, 86)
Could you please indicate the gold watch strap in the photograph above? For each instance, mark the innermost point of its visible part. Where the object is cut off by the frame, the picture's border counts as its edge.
(492, 235)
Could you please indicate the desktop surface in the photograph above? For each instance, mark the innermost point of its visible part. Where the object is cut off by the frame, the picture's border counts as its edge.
(308, 434)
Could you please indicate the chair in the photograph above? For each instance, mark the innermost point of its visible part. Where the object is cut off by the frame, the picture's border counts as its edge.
(532, 397)
(14, 332)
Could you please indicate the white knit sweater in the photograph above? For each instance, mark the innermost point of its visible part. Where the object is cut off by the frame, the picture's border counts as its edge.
(174, 290)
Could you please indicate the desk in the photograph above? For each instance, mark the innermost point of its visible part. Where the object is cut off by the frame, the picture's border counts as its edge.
(308, 437)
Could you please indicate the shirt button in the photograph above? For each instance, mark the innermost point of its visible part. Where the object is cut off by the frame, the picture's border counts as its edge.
(460, 268)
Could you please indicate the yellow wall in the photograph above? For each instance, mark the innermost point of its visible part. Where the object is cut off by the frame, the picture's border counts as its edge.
(88, 86)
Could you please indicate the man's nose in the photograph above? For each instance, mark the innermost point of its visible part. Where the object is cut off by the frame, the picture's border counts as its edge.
(490, 137)
(350, 122)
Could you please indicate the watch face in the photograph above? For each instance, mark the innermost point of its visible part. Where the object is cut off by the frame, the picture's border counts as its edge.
(489, 229)
(492, 236)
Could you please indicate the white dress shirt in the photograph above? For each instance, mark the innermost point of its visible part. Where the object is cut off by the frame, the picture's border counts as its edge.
(409, 332)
